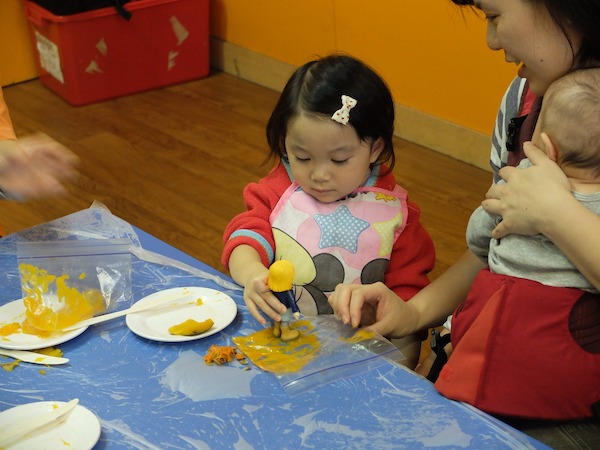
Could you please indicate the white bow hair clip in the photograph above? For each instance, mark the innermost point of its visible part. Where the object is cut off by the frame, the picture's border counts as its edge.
(342, 115)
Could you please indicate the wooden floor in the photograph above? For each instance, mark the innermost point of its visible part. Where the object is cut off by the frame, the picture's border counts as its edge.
(174, 162)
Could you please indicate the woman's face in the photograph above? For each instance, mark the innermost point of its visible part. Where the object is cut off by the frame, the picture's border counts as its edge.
(530, 38)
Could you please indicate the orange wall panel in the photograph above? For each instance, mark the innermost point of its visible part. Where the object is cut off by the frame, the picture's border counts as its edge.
(432, 54)
(289, 31)
(16, 54)
(434, 57)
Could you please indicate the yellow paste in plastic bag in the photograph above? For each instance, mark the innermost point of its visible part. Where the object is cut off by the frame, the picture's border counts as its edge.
(360, 335)
(64, 305)
(273, 355)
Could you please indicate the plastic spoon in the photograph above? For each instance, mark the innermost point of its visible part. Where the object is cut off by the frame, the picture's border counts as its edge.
(10, 435)
(33, 357)
(158, 302)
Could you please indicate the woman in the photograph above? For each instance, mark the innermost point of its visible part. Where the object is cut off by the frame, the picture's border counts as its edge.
(546, 38)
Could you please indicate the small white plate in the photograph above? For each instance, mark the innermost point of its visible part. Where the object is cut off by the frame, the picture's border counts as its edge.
(80, 430)
(154, 324)
(15, 312)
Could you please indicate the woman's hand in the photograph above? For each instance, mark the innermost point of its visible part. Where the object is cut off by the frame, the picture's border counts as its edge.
(35, 166)
(380, 309)
(529, 196)
(374, 306)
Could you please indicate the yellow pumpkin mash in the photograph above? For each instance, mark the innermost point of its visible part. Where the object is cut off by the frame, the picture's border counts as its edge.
(276, 356)
(67, 306)
(191, 327)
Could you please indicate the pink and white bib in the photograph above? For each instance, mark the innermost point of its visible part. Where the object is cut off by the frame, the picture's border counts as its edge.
(347, 241)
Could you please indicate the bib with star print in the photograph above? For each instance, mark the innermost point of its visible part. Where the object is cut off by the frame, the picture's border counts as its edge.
(347, 241)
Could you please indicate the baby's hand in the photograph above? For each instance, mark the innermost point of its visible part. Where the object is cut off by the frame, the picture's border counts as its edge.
(257, 295)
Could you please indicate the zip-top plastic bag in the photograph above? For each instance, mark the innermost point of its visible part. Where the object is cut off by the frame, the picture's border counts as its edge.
(326, 351)
(64, 282)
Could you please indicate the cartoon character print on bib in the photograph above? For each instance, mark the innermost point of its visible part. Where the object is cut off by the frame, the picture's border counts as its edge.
(347, 241)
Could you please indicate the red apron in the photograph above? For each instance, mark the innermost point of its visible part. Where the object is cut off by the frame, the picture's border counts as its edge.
(516, 354)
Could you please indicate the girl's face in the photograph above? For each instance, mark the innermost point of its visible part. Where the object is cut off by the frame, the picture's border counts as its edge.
(529, 37)
(327, 159)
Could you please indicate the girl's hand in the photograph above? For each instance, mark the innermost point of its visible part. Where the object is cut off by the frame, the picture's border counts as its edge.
(529, 197)
(35, 166)
(374, 306)
(258, 296)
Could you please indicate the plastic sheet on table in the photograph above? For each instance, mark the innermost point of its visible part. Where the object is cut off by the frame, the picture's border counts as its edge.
(326, 351)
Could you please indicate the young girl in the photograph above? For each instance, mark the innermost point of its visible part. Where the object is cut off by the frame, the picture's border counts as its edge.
(331, 205)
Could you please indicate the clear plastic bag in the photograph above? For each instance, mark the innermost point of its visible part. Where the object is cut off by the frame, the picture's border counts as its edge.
(97, 222)
(64, 282)
(326, 351)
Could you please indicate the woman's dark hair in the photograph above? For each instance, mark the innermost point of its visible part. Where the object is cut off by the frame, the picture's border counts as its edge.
(317, 88)
(579, 16)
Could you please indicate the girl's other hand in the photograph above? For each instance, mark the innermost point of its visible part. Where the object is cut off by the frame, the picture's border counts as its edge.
(530, 196)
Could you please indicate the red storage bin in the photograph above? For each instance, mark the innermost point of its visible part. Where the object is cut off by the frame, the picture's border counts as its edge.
(98, 55)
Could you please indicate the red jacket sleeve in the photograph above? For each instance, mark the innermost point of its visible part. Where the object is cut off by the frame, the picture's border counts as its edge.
(413, 257)
(252, 227)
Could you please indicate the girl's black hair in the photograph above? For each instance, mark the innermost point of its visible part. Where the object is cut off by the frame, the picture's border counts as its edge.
(317, 88)
(579, 16)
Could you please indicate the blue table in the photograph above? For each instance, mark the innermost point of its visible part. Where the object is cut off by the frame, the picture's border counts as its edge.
(152, 395)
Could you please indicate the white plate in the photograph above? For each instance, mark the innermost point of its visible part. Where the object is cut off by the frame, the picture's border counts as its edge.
(154, 324)
(80, 430)
(15, 312)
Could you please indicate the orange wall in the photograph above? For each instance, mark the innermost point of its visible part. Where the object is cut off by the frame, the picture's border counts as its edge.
(16, 54)
(432, 54)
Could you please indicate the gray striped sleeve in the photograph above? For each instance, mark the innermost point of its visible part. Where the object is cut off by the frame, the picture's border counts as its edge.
(509, 108)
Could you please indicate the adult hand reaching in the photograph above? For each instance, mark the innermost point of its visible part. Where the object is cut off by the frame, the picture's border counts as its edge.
(529, 197)
(374, 306)
(35, 166)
